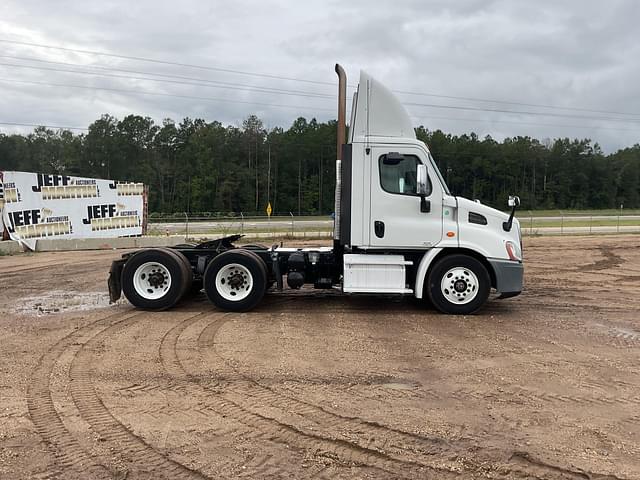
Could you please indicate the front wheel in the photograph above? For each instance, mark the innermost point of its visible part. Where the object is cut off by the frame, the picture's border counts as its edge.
(236, 280)
(458, 284)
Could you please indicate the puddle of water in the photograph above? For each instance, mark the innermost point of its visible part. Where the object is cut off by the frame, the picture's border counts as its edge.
(48, 303)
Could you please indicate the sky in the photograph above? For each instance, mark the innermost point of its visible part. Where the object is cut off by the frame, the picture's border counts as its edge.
(545, 69)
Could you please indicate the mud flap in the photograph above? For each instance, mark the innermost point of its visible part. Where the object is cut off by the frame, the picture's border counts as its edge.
(115, 280)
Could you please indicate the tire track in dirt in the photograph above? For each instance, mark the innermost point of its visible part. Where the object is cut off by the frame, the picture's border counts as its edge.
(335, 303)
(70, 454)
(231, 401)
(538, 467)
(635, 420)
(43, 265)
(143, 460)
(369, 429)
(610, 260)
(516, 464)
(246, 397)
(464, 394)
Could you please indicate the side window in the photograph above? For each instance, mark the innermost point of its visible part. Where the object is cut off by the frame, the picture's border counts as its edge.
(398, 174)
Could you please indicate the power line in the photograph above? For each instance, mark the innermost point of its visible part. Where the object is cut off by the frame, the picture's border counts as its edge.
(453, 107)
(165, 75)
(317, 82)
(479, 120)
(430, 117)
(519, 112)
(283, 91)
(35, 125)
(143, 92)
(222, 85)
(166, 62)
(289, 106)
(468, 120)
(507, 102)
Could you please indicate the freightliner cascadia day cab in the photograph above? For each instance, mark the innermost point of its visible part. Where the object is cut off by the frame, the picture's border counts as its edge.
(397, 230)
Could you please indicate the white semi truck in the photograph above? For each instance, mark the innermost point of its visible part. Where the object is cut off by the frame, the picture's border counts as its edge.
(397, 230)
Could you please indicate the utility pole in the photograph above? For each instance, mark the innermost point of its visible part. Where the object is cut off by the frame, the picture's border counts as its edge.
(299, 183)
(534, 183)
(275, 184)
(269, 175)
(320, 182)
(257, 188)
(189, 196)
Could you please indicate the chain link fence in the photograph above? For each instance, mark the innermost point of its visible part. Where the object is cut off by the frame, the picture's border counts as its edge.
(199, 226)
(213, 225)
(585, 222)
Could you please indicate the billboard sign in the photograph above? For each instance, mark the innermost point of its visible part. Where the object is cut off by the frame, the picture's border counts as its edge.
(38, 206)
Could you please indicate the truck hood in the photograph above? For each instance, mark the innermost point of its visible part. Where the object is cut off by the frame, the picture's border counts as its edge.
(486, 238)
(466, 204)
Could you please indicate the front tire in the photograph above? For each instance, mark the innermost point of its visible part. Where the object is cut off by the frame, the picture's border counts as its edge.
(236, 280)
(458, 284)
(154, 279)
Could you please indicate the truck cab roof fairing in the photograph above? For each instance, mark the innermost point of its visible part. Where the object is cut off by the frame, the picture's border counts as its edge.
(378, 113)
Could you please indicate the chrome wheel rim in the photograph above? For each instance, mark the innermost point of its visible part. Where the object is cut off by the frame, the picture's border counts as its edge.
(459, 285)
(234, 282)
(152, 280)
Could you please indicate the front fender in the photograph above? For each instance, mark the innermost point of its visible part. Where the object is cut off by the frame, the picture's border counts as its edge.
(423, 268)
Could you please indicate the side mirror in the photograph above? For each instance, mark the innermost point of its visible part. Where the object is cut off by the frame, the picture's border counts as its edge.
(514, 202)
(422, 182)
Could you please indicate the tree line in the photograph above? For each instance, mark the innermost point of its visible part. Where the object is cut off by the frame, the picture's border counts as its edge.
(198, 166)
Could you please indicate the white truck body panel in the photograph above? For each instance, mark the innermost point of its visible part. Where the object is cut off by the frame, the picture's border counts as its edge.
(378, 113)
(405, 225)
(488, 240)
(375, 274)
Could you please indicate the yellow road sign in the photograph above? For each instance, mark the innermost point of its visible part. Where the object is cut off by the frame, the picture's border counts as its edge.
(269, 210)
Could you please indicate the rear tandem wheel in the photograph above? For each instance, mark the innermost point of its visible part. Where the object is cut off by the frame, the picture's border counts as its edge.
(236, 280)
(156, 278)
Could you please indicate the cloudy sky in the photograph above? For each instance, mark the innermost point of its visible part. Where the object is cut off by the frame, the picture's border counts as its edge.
(546, 68)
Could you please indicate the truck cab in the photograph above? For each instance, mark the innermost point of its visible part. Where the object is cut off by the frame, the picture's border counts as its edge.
(397, 230)
(394, 200)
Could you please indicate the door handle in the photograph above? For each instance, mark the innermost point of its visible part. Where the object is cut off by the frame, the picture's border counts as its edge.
(378, 228)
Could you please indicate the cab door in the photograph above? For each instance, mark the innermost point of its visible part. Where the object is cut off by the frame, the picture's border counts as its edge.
(399, 217)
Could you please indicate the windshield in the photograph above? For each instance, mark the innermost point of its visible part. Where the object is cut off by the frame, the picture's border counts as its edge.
(435, 168)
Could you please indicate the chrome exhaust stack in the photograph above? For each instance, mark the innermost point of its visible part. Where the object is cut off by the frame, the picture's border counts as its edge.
(342, 112)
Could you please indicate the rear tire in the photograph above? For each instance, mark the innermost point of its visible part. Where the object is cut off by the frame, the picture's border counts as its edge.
(458, 284)
(236, 280)
(187, 270)
(154, 279)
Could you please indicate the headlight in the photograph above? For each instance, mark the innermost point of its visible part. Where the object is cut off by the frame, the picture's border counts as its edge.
(513, 251)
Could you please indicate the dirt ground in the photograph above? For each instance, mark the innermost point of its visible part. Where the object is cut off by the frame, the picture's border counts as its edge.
(319, 385)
